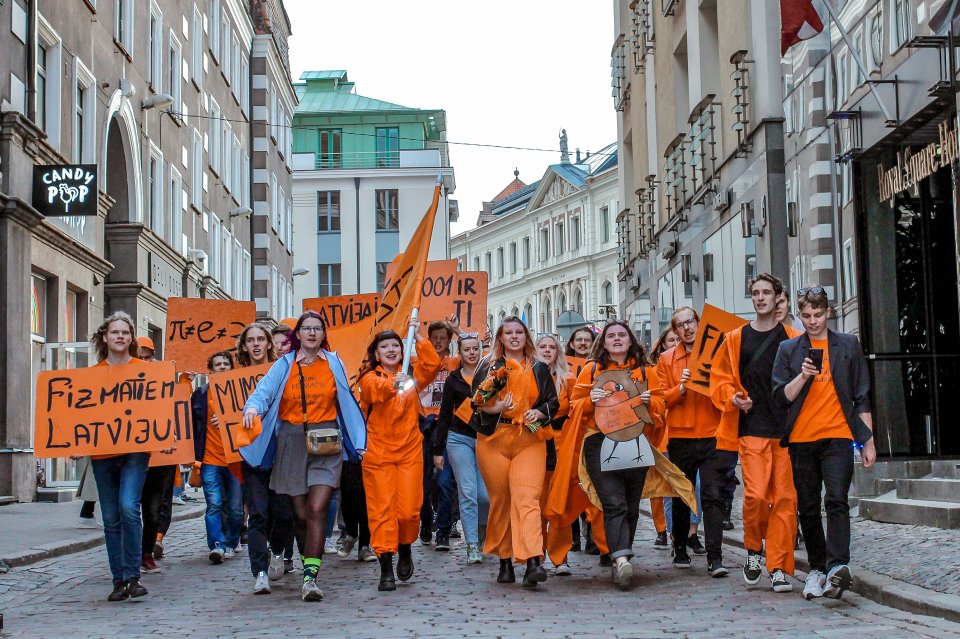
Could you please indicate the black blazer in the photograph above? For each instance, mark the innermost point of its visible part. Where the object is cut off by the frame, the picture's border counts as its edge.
(455, 390)
(851, 379)
(547, 401)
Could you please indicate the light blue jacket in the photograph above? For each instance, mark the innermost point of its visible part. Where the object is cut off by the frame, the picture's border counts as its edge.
(266, 399)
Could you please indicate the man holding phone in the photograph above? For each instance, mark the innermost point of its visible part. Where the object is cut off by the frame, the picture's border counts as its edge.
(752, 424)
(823, 380)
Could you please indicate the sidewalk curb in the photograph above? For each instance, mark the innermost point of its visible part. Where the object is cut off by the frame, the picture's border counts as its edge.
(70, 546)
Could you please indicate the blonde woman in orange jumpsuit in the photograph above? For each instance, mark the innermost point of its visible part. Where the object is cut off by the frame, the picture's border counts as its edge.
(393, 462)
(513, 459)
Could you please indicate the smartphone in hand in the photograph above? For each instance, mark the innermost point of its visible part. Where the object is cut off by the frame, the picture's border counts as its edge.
(816, 356)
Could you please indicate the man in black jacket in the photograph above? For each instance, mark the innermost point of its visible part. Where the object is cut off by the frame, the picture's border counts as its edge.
(821, 377)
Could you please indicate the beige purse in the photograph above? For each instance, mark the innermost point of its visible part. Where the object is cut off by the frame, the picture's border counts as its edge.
(320, 440)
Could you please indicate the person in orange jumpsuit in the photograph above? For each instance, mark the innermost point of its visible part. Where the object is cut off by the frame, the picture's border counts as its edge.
(657, 435)
(741, 387)
(514, 424)
(393, 462)
(692, 422)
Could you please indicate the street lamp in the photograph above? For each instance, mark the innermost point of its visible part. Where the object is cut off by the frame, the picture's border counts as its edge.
(300, 271)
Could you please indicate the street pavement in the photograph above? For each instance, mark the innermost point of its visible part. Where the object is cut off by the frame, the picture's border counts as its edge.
(65, 597)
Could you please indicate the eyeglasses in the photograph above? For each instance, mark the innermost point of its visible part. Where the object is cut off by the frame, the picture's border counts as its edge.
(473, 335)
(311, 329)
(689, 322)
(813, 290)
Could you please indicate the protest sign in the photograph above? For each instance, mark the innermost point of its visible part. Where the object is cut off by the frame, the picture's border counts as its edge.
(183, 452)
(198, 328)
(106, 410)
(446, 291)
(575, 364)
(342, 311)
(714, 324)
(228, 393)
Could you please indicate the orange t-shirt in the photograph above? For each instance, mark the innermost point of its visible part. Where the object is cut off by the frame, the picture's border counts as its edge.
(321, 390)
(213, 451)
(104, 363)
(821, 416)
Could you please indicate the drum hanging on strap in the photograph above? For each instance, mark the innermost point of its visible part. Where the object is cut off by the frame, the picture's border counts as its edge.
(621, 415)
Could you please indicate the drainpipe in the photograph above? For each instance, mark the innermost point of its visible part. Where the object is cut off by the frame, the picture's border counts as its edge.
(31, 71)
(356, 188)
(253, 261)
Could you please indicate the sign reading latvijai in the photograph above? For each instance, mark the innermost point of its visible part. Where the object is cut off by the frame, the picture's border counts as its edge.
(62, 190)
(913, 166)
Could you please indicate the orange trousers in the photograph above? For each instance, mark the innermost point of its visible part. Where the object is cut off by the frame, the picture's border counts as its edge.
(393, 483)
(658, 514)
(513, 464)
(559, 538)
(769, 501)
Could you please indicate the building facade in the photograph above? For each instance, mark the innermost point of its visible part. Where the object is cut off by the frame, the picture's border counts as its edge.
(871, 174)
(155, 96)
(698, 97)
(364, 175)
(550, 246)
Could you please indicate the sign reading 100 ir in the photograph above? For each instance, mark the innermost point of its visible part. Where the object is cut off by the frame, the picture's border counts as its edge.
(60, 190)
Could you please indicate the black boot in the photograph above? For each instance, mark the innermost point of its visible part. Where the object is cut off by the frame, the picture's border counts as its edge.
(575, 529)
(387, 581)
(727, 511)
(535, 573)
(590, 548)
(506, 575)
(404, 563)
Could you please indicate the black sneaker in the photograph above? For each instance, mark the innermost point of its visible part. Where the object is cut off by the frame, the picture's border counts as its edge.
(717, 569)
(727, 524)
(661, 542)
(454, 533)
(681, 560)
(443, 543)
(288, 566)
(694, 544)
(120, 592)
(135, 588)
(752, 569)
(605, 561)
(839, 580)
(425, 535)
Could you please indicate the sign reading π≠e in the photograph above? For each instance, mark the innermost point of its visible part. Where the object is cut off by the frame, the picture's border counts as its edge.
(227, 395)
(198, 328)
(106, 410)
(183, 452)
(714, 324)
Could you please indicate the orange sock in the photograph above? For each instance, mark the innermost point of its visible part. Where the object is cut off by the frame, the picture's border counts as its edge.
(159, 536)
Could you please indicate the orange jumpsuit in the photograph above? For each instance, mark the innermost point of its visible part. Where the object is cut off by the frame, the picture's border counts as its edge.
(393, 462)
(558, 537)
(513, 463)
(769, 496)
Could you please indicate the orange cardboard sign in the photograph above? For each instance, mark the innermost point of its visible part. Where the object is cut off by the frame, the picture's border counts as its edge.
(342, 311)
(228, 393)
(447, 291)
(106, 410)
(198, 328)
(464, 411)
(714, 324)
(575, 364)
(622, 414)
(183, 434)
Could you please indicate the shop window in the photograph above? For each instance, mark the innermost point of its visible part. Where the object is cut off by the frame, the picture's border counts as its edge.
(38, 306)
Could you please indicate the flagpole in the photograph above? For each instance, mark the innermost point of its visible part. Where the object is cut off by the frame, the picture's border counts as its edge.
(408, 348)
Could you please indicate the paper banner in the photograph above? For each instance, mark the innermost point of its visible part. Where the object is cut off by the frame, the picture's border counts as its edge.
(198, 328)
(635, 453)
(714, 324)
(228, 393)
(105, 410)
(183, 452)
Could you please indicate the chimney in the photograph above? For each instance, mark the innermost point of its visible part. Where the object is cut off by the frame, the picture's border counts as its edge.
(578, 156)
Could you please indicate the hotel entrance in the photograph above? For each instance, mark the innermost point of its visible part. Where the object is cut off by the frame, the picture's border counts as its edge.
(906, 229)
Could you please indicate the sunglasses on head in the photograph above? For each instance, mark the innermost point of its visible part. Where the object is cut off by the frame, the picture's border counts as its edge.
(553, 335)
(813, 290)
(466, 335)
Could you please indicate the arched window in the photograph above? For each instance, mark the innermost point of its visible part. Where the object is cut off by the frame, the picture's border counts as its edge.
(528, 315)
(490, 324)
(547, 316)
(515, 312)
(562, 304)
(501, 316)
(578, 301)
(607, 293)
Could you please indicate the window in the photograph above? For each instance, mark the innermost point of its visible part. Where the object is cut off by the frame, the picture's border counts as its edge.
(381, 275)
(899, 23)
(500, 266)
(487, 263)
(329, 148)
(84, 121)
(215, 131)
(574, 233)
(123, 24)
(227, 172)
(842, 91)
(155, 217)
(607, 293)
(526, 253)
(328, 211)
(476, 263)
(42, 85)
(876, 42)
(388, 210)
(513, 257)
(604, 224)
(235, 63)
(855, 73)
(48, 75)
(38, 302)
(544, 244)
(176, 206)
(225, 45)
(245, 179)
(272, 116)
(388, 147)
(849, 271)
(214, 245)
(155, 70)
(237, 160)
(244, 79)
(196, 172)
(175, 72)
(196, 35)
(214, 21)
(558, 239)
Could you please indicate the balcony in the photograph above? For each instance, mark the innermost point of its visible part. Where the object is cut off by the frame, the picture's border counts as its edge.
(412, 159)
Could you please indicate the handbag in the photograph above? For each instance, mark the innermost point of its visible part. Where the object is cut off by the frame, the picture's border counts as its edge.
(320, 440)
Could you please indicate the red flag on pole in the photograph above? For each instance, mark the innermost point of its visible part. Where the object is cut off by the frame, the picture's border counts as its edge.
(798, 21)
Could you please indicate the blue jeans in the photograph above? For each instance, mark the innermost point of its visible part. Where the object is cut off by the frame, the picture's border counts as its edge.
(224, 498)
(332, 513)
(668, 509)
(446, 483)
(119, 484)
(474, 502)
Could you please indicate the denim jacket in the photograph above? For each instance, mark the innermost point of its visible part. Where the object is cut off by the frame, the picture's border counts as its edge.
(266, 399)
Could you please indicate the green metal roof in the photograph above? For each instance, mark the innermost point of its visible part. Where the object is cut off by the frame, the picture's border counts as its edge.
(331, 92)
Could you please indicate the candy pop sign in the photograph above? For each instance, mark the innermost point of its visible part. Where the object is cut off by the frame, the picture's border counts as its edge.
(65, 190)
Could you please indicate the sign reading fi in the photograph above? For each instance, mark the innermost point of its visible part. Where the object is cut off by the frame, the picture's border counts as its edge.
(714, 324)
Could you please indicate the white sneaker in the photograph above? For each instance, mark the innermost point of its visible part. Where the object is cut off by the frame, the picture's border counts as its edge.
(310, 591)
(814, 585)
(229, 553)
(88, 522)
(178, 501)
(275, 571)
(330, 547)
(562, 570)
(216, 555)
(262, 587)
(346, 546)
(623, 575)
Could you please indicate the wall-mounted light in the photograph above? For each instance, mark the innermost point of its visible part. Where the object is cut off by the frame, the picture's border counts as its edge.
(240, 211)
(300, 270)
(158, 101)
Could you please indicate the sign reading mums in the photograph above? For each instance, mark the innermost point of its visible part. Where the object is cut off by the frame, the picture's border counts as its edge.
(60, 190)
(914, 166)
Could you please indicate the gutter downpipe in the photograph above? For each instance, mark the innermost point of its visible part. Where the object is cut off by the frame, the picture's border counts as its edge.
(31, 70)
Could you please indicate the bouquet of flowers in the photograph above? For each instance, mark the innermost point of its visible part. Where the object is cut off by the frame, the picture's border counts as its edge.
(495, 382)
(532, 426)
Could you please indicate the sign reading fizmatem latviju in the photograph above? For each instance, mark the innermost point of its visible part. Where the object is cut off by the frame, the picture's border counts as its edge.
(61, 190)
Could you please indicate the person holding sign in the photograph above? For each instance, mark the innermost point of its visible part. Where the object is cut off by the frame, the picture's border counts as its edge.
(516, 406)
(393, 463)
(751, 424)
(221, 490)
(619, 491)
(455, 434)
(310, 422)
(823, 380)
(120, 477)
(692, 422)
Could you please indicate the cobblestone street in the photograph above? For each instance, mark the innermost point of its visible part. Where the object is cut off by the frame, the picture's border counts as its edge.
(65, 597)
